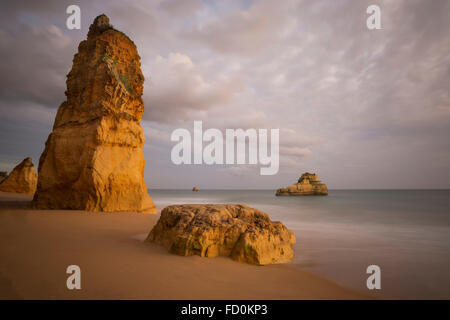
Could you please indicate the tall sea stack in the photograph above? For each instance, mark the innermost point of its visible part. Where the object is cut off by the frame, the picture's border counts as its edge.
(93, 159)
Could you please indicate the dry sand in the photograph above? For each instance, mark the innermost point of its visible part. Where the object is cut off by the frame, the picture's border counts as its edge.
(36, 246)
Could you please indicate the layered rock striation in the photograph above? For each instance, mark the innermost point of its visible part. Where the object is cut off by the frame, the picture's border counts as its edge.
(93, 159)
(308, 184)
(238, 231)
(23, 178)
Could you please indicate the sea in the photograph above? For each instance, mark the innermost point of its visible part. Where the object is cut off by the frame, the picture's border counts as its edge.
(404, 232)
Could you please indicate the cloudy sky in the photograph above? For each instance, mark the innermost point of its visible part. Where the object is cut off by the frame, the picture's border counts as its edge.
(362, 108)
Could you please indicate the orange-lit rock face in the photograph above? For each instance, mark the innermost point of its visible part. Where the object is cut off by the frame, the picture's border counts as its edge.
(233, 230)
(22, 179)
(93, 159)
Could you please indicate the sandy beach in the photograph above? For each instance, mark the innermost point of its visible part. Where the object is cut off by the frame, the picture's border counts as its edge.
(38, 245)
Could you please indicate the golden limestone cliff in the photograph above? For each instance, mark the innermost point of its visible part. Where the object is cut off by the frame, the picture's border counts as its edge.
(22, 179)
(93, 159)
(3, 175)
(308, 184)
(238, 231)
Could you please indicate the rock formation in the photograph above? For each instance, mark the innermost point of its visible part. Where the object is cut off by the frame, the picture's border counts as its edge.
(22, 179)
(3, 175)
(243, 233)
(93, 159)
(194, 189)
(308, 184)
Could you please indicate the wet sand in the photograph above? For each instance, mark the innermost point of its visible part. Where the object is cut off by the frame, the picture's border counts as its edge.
(36, 246)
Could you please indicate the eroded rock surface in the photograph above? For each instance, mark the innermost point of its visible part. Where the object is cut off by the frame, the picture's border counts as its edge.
(3, 175)
(209, 230)
(22, 179)
(308, 184)
(93, 159)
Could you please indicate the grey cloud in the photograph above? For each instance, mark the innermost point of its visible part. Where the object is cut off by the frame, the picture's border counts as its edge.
(177, 89)
(181, 8)
(262, 24)
(36, 72)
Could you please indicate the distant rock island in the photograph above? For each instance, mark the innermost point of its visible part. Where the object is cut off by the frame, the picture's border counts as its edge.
(93, 159)
(194, 189)
(209, 230)
(22, 179)
(308, 184)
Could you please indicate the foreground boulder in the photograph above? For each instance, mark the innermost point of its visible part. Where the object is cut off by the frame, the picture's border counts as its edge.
(308, 184)
(93, 159)
(22, 179)
(238, 231)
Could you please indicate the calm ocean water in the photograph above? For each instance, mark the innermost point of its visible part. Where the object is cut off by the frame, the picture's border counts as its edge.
(405, 232)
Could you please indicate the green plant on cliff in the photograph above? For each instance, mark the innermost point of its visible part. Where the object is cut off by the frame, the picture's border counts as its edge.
(108, 57)
(124, 79)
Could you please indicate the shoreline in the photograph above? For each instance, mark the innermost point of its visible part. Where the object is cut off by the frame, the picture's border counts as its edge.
(38, 245)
